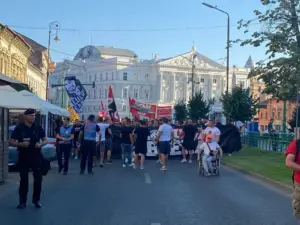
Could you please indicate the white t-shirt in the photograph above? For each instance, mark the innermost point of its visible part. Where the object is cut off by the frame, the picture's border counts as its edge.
(103, 127)
(212, 146)
(166, 131)
(214, 131)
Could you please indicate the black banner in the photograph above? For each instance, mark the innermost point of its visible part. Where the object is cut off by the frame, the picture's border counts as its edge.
(76, 93)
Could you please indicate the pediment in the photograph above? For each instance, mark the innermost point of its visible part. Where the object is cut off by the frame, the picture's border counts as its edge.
(186, 61)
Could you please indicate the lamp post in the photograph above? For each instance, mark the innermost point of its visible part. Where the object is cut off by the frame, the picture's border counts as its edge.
(228, 39)
(53, 26)
(193, 71)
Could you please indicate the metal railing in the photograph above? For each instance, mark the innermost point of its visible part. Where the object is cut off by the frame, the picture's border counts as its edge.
(268, 142)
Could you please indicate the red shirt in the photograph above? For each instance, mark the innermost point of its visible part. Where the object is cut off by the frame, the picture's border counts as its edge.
(291, 149)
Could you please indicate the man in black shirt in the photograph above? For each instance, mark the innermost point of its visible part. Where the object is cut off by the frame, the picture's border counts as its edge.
(76, 130)
(189, 144)
(26, 137)
(126, 142)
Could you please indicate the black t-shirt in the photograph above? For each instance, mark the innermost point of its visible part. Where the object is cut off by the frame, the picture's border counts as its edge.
(189, 132)
(33, 134)
(142, 134)
(76, 130)
(126, 131)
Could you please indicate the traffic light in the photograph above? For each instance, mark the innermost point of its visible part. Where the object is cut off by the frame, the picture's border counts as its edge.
(94, 84)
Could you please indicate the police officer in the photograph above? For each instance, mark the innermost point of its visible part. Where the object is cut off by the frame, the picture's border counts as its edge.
(64, 135)
(88, 148)
(27, 138)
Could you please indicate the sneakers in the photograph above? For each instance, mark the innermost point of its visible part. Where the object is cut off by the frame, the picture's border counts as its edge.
(142, 168)
(131, 165)
(124, 165)
(158, 161)
(207, 174)
(164, 168)
(183, 161)
(190, 161)
(134, 166)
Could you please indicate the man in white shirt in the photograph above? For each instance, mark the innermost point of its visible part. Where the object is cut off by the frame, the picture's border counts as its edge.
(165, 135)
(214, 131)
(210, 150)
(101, 146)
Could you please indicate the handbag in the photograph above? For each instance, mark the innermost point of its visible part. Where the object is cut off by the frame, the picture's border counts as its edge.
(211, 152)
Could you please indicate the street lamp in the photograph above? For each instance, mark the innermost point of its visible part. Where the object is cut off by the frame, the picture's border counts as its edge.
(228, 39)
(54, 26)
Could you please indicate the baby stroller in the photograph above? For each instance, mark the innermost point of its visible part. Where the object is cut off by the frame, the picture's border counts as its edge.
(216, 163)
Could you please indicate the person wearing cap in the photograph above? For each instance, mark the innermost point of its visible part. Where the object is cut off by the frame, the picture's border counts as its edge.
(165, 135)
(210, 150)
(29, 138)
(88, 136)
(64, 135)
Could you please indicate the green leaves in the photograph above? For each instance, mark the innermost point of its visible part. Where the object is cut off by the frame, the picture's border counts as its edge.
(198, 107)
(280, 35)
(181, 112)
(238, 105)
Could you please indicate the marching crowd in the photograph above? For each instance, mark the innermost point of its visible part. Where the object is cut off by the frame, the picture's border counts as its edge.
(89, 140)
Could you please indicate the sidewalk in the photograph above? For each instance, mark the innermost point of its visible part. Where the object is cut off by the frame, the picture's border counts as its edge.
(263, 164)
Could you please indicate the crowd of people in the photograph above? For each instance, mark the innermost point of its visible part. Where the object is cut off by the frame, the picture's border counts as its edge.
(89, 140)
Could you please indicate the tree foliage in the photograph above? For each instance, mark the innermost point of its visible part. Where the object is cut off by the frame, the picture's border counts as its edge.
(292, 122)
(280, 35)
(238, 105)
(180, 111)
(198, 107)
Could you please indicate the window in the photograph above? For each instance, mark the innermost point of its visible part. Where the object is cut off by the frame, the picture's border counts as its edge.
(135, 93)
(90, 78)
(202, 80)
(279, 115)
(124, 108)
(136, 76)
(261, 115)
(105, 92)
(95, 77)
(125, 93)
(112, 75)
(214, 81)
(266, 115)
(146, 94)
(106, 76)
(177, 78)
(273, 115)
(125, 76)
(164, 77)
(242, 83)
(146, 77)
(95, 93)
(100, 76)
(101, 94)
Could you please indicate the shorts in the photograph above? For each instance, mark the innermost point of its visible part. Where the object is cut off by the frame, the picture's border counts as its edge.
(296, 200)
(189, 144)
(164, 147)
(100, 148)
(108, 144)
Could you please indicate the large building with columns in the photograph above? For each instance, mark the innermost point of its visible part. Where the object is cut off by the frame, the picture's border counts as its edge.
(156, 81)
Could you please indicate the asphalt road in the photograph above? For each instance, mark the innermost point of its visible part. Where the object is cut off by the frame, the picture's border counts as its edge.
(123, 196)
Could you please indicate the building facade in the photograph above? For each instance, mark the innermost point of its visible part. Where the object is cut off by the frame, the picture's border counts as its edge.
(23, 59)
(156, 81)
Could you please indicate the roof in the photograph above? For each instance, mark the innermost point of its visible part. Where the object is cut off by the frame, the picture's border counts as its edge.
(116, 51)
(97, 52)
(15, 33)
(36, 57)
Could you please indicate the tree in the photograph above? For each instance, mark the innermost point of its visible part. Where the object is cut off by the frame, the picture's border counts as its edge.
(292, 122)
(180, 111)
(281, 37)
(239, 104)
(198, 107)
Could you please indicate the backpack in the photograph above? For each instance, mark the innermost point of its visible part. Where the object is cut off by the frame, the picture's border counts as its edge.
(296, 157)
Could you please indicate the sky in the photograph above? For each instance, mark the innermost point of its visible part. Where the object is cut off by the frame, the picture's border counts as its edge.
(148, 27)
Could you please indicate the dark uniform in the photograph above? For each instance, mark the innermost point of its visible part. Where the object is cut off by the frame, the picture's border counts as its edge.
(76, 131)
(29, 158)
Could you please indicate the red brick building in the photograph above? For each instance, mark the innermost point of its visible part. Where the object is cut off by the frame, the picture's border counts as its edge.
(273, 109)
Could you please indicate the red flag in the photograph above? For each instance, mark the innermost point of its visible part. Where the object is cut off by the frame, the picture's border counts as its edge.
(112, 107)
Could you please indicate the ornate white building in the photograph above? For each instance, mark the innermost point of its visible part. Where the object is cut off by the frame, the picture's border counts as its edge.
(157, 81)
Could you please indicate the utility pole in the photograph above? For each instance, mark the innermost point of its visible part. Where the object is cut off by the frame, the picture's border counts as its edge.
(193, 78)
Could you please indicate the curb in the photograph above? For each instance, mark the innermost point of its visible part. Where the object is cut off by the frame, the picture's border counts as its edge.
(260, 177)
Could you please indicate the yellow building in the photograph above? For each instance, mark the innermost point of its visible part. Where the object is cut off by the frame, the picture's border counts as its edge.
(23, 59)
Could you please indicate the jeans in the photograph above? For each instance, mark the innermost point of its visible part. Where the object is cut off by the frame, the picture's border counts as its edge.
(88, 150)
(127, 150)
(64, 150)
(206, 161)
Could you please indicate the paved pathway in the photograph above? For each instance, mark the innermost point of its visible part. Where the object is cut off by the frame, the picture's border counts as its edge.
(122, 196)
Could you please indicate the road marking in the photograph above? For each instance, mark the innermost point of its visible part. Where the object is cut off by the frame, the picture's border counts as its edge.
(148, 181)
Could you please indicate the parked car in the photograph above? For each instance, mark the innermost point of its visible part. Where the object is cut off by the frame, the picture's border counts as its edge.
(48, 151)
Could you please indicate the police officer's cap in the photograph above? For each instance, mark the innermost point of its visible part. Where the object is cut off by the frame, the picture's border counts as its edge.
(29, 111)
